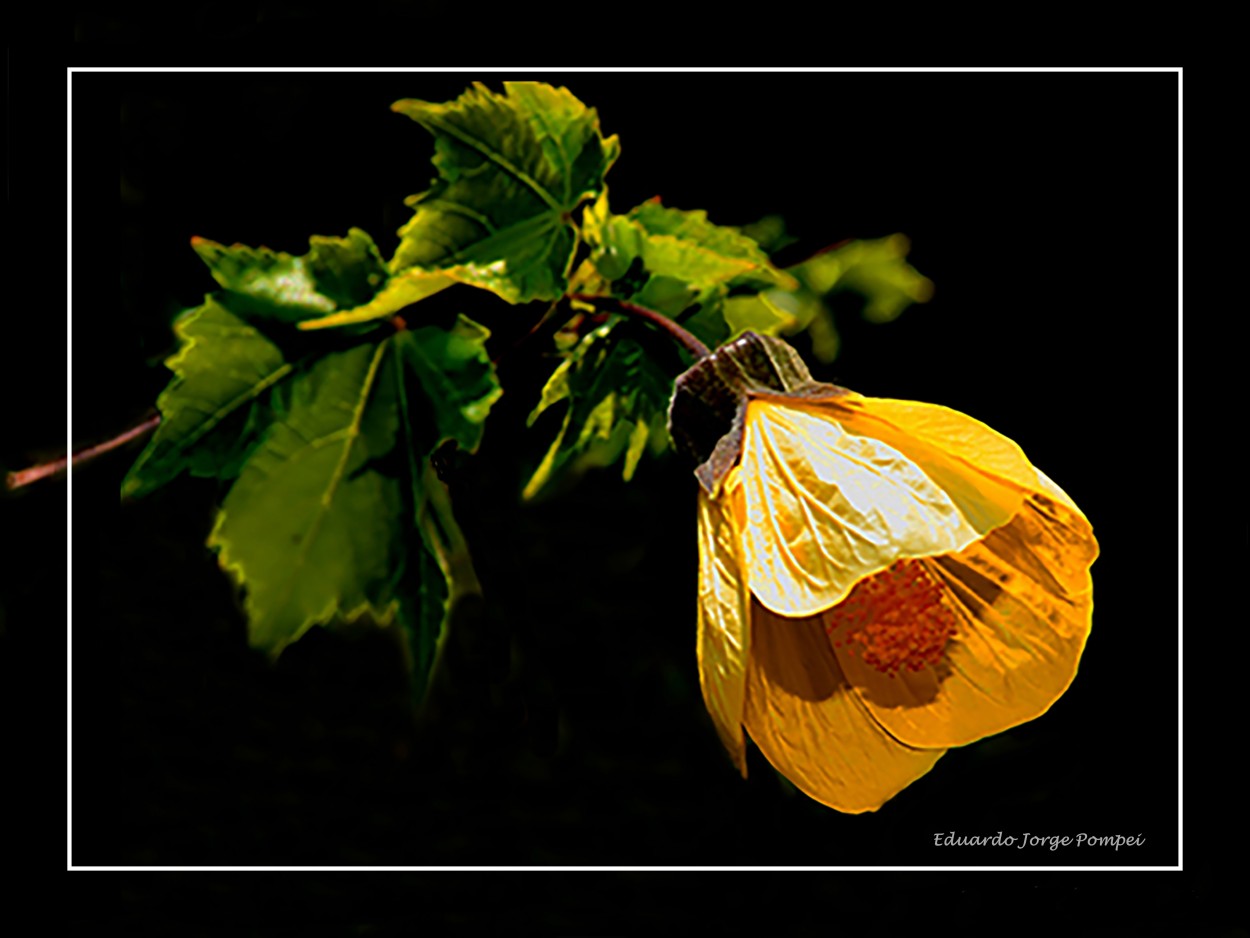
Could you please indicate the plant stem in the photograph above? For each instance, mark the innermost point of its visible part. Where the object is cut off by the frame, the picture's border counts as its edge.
(15, 480)
(676, 332)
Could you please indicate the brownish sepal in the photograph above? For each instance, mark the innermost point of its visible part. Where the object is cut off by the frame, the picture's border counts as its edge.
(707, 414)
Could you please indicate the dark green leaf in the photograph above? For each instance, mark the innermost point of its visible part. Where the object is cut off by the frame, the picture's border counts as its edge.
(210, 410)
(336, 273)
(422, 615)
(347, 270)
(424, 583)
(769, 233)
(453, 369)
(511, 170)
(617, 399)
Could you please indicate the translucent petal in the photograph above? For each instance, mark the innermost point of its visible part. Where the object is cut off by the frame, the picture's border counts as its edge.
(811, 725)
(984, 473)
(1023, 600)
(723, 629)
(820, 508)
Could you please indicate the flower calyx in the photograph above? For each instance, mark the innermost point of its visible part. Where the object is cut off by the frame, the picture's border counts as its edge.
(707, 413)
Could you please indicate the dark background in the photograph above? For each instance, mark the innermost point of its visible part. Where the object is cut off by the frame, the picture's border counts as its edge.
(568, 727)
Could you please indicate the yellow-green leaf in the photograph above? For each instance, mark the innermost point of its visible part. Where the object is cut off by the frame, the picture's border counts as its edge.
(877, 269)
(399, 292)
(457, 380)
(310, 528)
(682, 245)
(211, 412)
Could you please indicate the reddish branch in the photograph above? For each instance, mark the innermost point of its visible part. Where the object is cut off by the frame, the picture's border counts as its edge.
(15, 480)
(659, 320)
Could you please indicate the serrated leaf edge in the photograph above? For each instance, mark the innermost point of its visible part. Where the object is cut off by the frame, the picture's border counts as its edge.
(131, 486)
(349, 435)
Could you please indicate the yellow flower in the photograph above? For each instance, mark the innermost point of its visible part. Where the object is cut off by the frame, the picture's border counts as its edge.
(879, 580)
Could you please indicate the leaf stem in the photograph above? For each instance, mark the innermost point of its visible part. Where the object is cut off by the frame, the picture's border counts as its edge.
(15, 480)
(676, 332)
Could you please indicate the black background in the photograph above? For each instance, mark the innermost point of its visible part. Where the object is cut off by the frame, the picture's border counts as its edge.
(568, 728)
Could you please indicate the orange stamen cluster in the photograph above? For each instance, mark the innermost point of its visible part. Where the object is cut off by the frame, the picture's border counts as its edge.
(895, 619)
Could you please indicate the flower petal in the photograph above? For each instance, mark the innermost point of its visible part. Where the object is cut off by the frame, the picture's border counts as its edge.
(821, 508)
(810, 724)
(985, 474)
(723, 629)
(1023, 600)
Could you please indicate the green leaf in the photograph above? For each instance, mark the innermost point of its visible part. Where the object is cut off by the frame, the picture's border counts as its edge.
(347, 270)
(769, 233)
(758, 313)
(330, 517)
(458, 380)
(339, 282)
(211, 409)
(680, 264)
(422, 614)
(511, 170)
(664, 294)
(617, 399)
(681, 245)
(399, 292)
(876, 269)
(425, 584)
(260, 283)
(310, 527)
(440, 570)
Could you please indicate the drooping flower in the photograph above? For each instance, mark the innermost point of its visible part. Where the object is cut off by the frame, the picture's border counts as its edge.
(879, 580)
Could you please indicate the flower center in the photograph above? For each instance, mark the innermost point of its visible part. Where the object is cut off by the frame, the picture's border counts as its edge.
(895, 619)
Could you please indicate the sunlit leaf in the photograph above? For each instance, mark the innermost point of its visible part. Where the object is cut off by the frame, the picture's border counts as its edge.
(682, 265)
(511, 170)
(324, 522)
(681, 245)
(757, 313)
(398, 293)
(311, 526)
